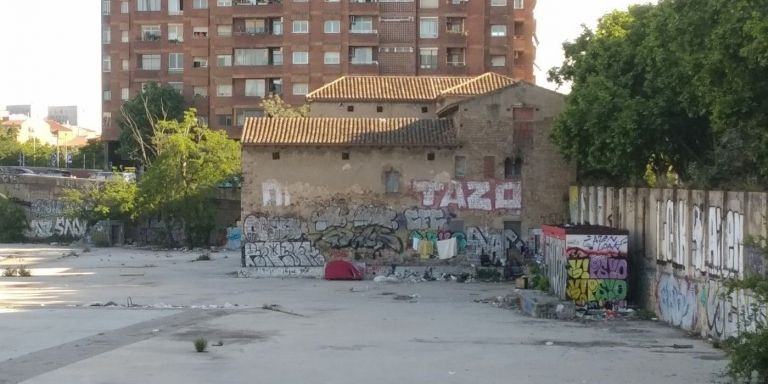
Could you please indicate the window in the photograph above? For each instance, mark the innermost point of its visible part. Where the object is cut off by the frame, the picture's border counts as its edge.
(148, 5)
(277, 26)
(200, 4)
(200, 32)
(150, 62)
(499, 3)
(428, 3)
(201, 91)
(300, 88)
(224, 60)
(518, 4)
(424, 109)
(106, 35)
(350, 108)
(489, 167)
(513, 168)
(224, 30)
(428, 27)
(176, 33)
(124, 36)
(178, 86)
(332, 26)
(345, 155)
(174, 7)
(107, 95)
(123, 7)
(498, 30)
(106, 7)
(106, 119)
(379, 109)
(150, 32)
(224, 90)
(106, 64)
(428, 58)
(224, 120)
(361, 24)
(243, 114)
(199, 62)
(277, 56)
(498, 61)
(300, 57)
(392, 179)
(275, 155)
(224, 3)
(175, 62)
(431, 156)
(125, 64)
(300, 26)
(332, 58)
(125, 94)
(255, 87)
(459, 167)
(252, 56)
(455, 57)
(361, 55)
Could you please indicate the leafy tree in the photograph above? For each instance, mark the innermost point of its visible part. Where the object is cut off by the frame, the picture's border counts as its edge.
(115, 199)
(13, 221)
(676, 86)
(274, 106)
(91, 155)
(192, 161)
(9, 146)
(139, 119)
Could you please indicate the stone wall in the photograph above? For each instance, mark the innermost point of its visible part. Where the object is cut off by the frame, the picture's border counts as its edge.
(683, 245)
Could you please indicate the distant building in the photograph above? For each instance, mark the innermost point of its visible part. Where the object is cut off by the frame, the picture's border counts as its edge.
(25, 110)
(63, 114)
(50, 132)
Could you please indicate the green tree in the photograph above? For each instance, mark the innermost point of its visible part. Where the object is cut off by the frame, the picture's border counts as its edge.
(115, 199)
(139, 118)
(192, 161)
(91, 155)
(9, 146)
(274, 106)
(676, 86)
(13, 221)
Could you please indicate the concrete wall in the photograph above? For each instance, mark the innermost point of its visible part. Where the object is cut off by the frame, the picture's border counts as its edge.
(684, 244)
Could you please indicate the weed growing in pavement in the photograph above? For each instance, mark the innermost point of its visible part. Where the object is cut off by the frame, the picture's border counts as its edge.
(23, 271)
(9, 272)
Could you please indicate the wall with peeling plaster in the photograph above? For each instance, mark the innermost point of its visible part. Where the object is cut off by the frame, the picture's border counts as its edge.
(683, 245)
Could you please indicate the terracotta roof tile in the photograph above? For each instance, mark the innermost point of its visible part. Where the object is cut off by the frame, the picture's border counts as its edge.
(56, 126)
(385, 88)
(480, 85)
(407, 88)
(324, 131)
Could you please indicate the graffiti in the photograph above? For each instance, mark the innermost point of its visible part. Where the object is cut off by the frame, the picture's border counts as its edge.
(59, 226)
(697, 238)
(373, 237)
(596, 290)
(725, 247)
(754, 261)
(734, 237)
(596, 269)
(681, 233)
(573, 204)
(677, 301)
(491, 245)
(274, 195)
(474, 195)
(283, 254)
(369, 215)
(554, 248)
(8, 179)
(314, 272)
(665, 229)
(272, 228)
(329, 217)
(416, 219)
(234, 237)
(606, 243)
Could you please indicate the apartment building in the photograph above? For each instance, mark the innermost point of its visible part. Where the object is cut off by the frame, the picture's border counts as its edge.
(225, 55)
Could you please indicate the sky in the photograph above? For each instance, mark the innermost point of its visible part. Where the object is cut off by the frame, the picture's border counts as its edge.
(50, 50)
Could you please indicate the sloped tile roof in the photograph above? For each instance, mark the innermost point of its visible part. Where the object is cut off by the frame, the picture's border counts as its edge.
(407, 88)
(329, 131)
(480, 85)
(385, 88)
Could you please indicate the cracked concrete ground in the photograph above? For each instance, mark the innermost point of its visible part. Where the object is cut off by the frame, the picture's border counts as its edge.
(301, 330)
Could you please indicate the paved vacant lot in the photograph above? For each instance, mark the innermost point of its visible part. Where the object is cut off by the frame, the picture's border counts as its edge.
(313, 331)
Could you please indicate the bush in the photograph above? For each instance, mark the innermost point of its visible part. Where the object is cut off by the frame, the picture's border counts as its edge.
(201, 344)
(13, 222)
(23, 271)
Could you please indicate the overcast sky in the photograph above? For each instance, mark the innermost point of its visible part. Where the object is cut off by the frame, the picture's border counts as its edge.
(50, 49)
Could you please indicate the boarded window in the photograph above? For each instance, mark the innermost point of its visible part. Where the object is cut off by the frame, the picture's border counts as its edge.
(513, 167)
(392, 180)
(489, 167)
(523, 114)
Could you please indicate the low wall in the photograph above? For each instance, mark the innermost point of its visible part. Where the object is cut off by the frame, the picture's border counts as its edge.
(683, 245)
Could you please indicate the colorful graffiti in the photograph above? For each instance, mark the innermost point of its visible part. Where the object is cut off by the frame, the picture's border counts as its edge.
(596, 269)
(472, 195)
(677, 301)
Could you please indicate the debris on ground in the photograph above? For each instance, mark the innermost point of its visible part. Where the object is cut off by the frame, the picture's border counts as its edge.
(278, 308)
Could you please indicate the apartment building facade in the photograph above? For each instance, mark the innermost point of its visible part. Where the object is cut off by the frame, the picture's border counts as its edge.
(225, 55)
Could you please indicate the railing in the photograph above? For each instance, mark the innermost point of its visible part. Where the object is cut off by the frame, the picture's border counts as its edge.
(363, 31)
(257, 2)
(456, 63)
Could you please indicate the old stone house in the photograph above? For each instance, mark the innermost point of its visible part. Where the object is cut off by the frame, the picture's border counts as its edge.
(387, 168)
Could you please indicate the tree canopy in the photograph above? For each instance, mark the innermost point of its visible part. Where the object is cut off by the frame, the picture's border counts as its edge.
(679, 87)
(139, 118)
(274, 106)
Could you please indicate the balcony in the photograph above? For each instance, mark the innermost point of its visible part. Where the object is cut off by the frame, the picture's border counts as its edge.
(260, 37)
(456, 6)
(258, 7)
(363, 37)
(364, 7)
(455, 36)
(357, 67)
